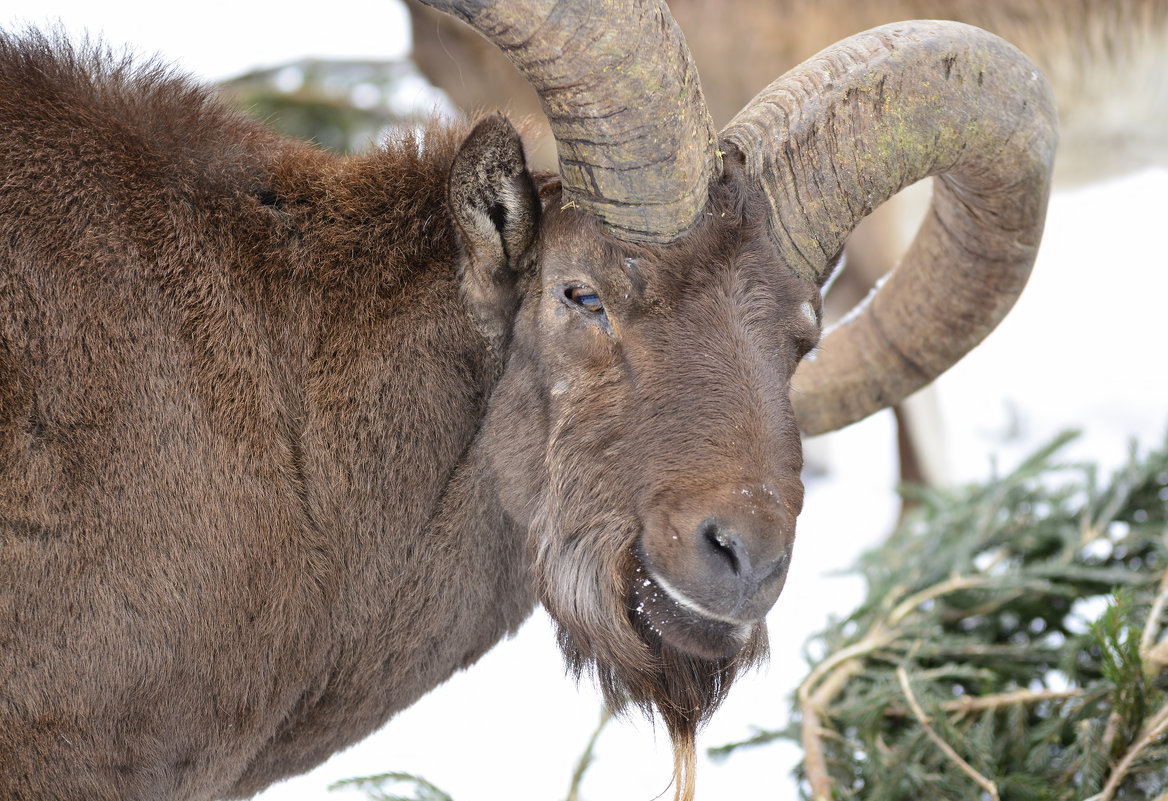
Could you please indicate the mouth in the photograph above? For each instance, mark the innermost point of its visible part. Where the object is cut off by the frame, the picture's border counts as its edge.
(677, 621)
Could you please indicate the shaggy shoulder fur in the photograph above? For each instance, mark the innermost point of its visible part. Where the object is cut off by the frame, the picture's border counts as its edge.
(226, 360)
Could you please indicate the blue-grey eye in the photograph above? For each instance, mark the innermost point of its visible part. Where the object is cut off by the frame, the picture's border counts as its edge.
(583, 297)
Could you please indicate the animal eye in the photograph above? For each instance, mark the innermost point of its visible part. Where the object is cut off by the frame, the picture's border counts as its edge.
(583, 297)
(585, 300)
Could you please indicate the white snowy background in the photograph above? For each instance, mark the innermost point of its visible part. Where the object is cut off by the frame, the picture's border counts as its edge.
(1084, 347)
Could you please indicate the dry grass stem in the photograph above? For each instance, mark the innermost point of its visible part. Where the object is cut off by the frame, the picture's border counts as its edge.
(587, 757)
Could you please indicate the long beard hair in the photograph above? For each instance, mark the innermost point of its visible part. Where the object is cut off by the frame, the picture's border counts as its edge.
(584, 576)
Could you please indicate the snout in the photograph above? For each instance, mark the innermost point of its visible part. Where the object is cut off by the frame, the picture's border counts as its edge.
(708, 578)
(736, 569)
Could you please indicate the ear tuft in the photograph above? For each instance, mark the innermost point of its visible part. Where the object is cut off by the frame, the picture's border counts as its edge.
(496, 209)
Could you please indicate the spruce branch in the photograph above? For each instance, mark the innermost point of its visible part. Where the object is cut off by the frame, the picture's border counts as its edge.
(968, 704)
(1031, 615)
(923, 720)
(1152, 627)
(811, 706)
(953, 584)
(1151, 732)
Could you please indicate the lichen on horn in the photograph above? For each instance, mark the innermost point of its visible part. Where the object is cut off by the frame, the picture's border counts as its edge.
(838, 135)
(636, 144)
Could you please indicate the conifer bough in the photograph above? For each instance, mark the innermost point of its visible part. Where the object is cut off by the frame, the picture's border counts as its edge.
(1012, 646)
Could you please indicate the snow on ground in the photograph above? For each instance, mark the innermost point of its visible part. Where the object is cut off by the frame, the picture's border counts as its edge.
(1086, 344)
(1083, 348)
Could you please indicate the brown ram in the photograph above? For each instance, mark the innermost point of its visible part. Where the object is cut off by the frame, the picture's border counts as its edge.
(286, 439)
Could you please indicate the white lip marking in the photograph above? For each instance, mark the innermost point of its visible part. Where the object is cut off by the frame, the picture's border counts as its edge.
(741, 630)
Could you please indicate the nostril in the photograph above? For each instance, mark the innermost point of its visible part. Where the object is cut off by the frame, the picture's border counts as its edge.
(727, 545)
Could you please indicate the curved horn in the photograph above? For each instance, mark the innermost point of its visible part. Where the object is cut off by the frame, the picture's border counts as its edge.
(838, 135)
(636, 144)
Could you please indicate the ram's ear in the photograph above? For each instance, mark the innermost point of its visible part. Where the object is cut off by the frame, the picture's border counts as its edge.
(496, 208)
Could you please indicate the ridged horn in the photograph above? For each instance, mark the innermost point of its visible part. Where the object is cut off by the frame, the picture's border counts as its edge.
(637, 147)
(837, 136)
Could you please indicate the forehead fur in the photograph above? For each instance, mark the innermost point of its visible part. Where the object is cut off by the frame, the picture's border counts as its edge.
(728, 238)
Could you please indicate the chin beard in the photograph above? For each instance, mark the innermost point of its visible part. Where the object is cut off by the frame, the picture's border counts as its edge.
(602, 634)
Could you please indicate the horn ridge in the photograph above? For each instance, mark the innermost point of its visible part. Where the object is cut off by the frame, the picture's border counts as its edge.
(637, 146)
(837, 136)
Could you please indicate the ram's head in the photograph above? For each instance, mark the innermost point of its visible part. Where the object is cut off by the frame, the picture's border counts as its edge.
(646, 428)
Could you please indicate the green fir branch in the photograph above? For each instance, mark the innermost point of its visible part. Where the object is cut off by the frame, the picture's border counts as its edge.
(1012, 644)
